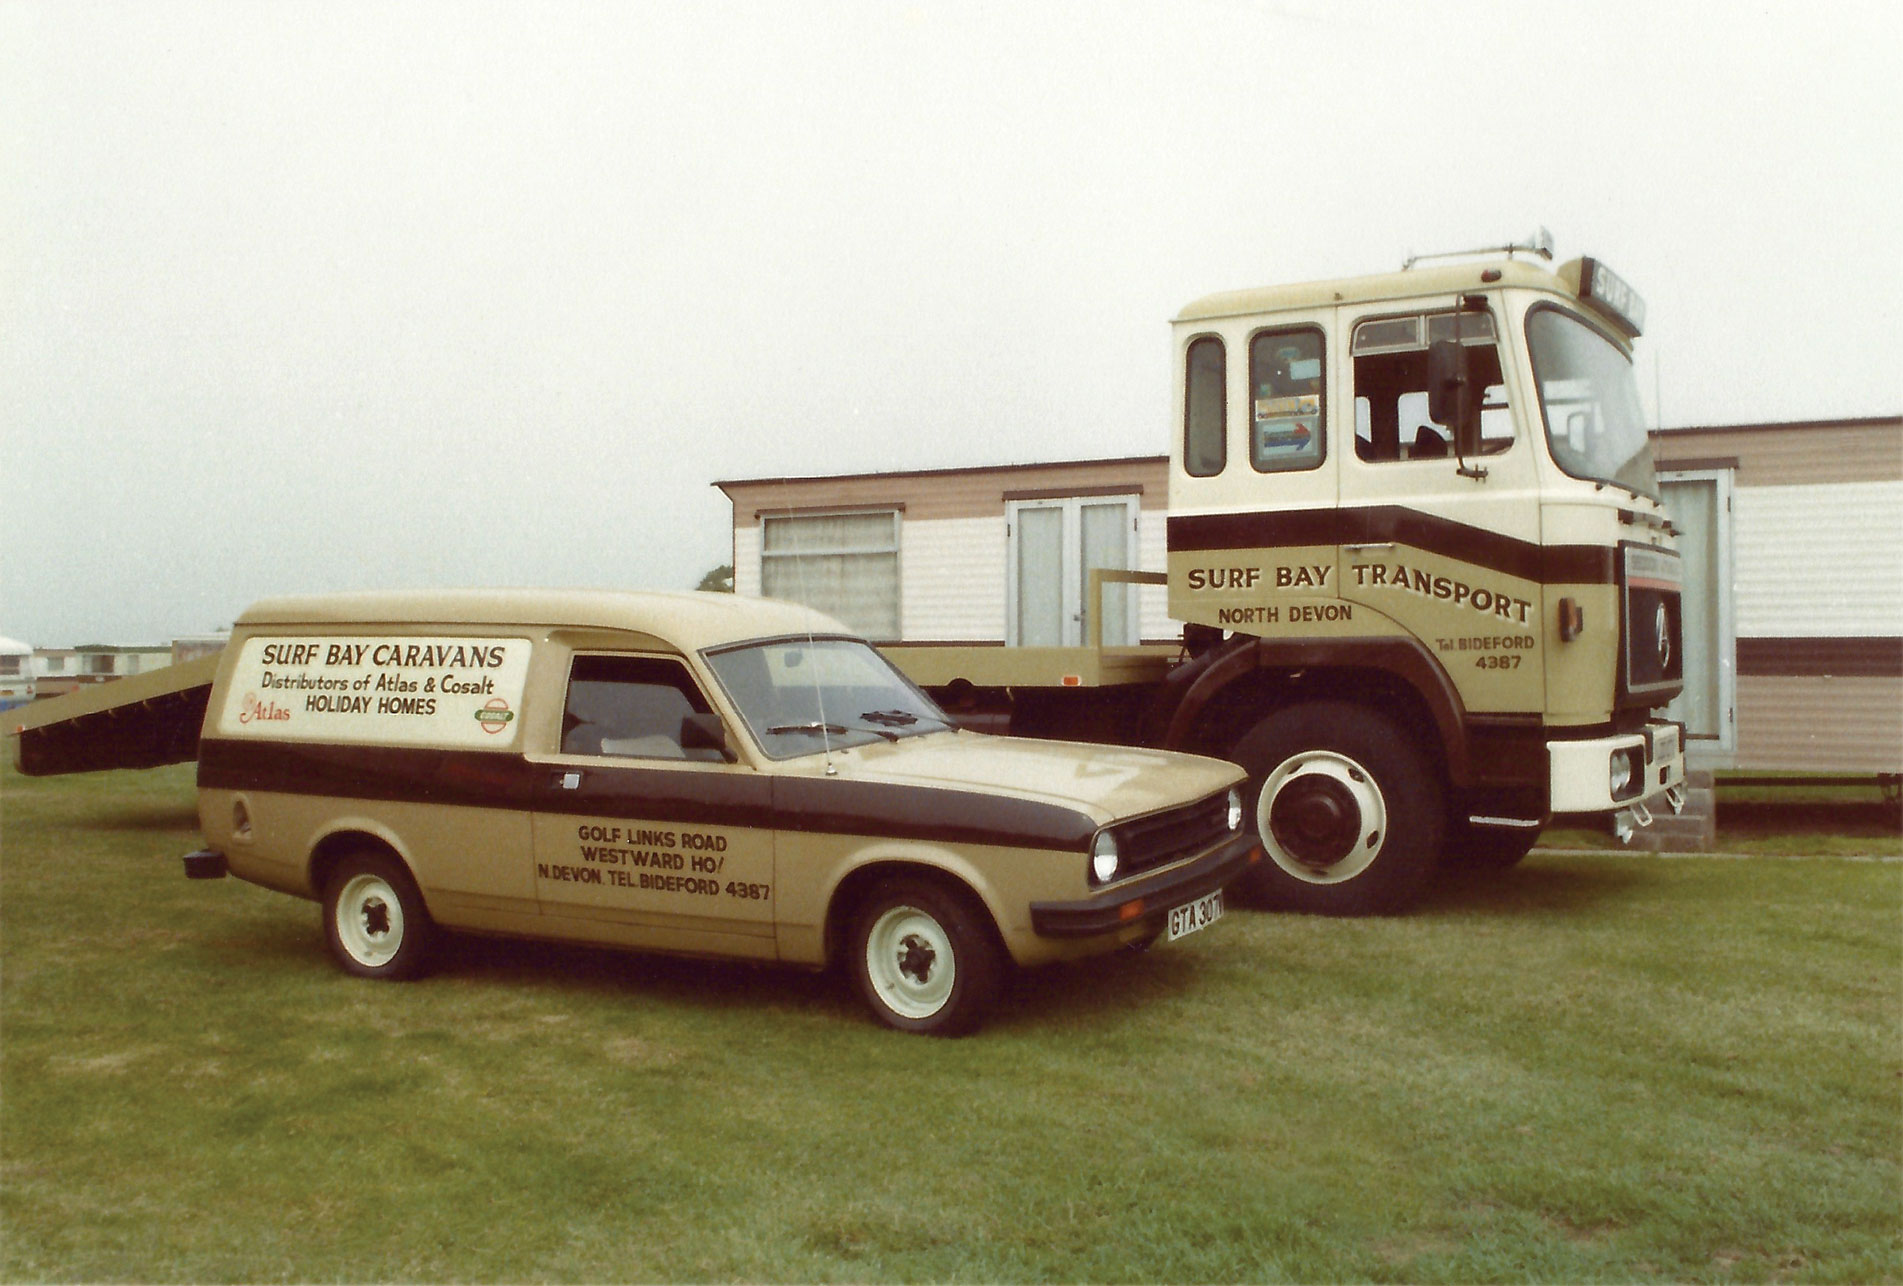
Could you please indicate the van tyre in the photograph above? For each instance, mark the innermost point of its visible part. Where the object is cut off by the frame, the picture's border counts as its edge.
(924, 958)
(375, 920)
(1347, 806)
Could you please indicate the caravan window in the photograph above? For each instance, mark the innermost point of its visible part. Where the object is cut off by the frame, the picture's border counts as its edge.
(843, 564)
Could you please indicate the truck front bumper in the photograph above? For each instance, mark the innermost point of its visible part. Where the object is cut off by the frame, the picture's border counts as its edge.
(1635, 772)
(1147, 901)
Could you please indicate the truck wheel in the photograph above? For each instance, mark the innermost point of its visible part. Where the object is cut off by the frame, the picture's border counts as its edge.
(923, 959)
(1486, 848)
(1347, 806)
(374, 918)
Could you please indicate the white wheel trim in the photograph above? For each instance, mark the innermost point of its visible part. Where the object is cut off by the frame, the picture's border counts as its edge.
(1367, 794)
(370, 920)
(910, 963)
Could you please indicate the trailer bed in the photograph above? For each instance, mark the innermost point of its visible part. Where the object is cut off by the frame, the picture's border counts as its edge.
(139, 722)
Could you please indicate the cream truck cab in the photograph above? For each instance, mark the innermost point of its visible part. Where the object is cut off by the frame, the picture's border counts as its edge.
(689, 773)
(1430, 595)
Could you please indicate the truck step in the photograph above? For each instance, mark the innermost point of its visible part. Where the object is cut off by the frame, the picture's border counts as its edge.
(1693, 831)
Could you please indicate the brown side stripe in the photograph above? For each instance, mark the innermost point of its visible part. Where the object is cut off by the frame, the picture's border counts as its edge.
(1848, 658)
(1372, 524)
(475, 779)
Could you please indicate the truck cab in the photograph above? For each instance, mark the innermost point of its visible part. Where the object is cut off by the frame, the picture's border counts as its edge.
(1429, 587)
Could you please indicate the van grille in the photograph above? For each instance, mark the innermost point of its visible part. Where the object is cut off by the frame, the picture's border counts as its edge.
(1170, 836)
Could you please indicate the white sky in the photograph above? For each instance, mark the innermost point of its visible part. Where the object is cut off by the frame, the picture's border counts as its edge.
(325, 296)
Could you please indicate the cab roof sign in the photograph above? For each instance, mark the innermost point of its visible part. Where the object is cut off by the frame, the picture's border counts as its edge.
(1606, 293)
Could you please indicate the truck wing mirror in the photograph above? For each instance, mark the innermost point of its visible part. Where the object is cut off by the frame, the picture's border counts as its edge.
(705, 733)
(1451, 396)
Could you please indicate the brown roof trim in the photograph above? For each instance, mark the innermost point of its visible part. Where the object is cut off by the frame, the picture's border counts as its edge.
(1855, 422)
(939, 473)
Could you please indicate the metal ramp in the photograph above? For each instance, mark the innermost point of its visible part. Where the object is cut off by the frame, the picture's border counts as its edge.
(139, 722)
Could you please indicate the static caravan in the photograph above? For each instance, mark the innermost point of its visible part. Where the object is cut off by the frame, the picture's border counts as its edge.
(1792, 535)
(999, 555)
(16, 674)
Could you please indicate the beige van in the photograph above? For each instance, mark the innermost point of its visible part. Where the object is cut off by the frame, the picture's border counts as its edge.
(692, 773)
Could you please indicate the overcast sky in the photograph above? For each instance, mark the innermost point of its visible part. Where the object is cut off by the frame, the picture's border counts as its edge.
(325, 296)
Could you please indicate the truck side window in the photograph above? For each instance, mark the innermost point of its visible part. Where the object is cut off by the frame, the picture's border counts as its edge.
(1285, 400)
(1391, 420)
(630, 706)
(1205, 408)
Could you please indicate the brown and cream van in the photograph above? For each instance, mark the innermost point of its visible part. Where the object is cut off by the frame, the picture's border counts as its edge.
(692, 773)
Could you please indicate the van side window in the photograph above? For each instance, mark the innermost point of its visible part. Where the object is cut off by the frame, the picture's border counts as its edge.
(1205, 418)
(1391, 420)
(1285, 400)
(631, 706)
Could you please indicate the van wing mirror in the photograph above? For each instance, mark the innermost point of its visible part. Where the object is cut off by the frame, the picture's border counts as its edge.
(705, 732)
(1451, 396)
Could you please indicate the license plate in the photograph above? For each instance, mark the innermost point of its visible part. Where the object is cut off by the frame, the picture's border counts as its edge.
(1191, 916)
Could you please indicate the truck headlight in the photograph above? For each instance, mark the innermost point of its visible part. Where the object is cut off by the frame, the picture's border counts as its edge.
(1104, 858)
(1622, 774)
(1235, 810)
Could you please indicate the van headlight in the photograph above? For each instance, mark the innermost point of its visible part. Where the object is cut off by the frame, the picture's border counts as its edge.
(1235, 810)
(1103, 857)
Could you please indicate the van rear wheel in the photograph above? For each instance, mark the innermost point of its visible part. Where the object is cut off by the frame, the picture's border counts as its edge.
(374, 918)
(1347, 807)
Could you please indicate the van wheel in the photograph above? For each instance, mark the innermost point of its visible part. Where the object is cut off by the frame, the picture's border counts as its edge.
(1347, 806)
(374, 918)
(923, 959)
(1486, 848)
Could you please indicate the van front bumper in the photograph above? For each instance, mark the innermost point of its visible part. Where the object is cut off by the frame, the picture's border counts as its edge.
(1635, 771)
(1149, 901)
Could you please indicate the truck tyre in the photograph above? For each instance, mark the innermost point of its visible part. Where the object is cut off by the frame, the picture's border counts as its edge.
(923, 958)
(374, 918)
(1347, 806)
(1486, 848)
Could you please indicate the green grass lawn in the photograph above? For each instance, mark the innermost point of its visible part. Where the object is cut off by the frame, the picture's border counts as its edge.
(1587, 1068)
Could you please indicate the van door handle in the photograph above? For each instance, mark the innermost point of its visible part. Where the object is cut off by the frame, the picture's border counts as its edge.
(566, 779)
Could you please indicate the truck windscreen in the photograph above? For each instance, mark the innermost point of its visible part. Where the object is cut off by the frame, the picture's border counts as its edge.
(1591, 402)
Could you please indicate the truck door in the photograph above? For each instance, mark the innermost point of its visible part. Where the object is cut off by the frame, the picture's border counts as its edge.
(641, 837)
(1447, 549)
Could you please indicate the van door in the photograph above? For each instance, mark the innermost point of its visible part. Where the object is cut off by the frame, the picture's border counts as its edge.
(642, 838)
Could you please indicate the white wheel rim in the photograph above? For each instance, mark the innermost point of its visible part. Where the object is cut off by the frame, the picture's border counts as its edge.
(370, 920)
(1335, 793)
(910, 963)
